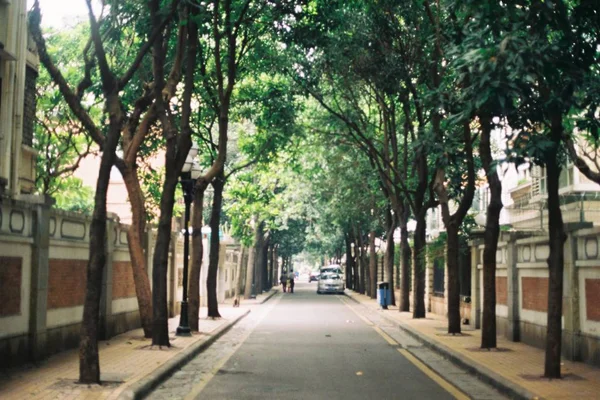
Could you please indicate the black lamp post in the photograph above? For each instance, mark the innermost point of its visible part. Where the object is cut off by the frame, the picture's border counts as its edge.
(189, 174)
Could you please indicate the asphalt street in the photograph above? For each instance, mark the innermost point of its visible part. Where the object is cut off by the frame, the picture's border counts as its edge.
(306, 346)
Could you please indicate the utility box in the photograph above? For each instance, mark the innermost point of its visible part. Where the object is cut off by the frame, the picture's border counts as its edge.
(383, 294)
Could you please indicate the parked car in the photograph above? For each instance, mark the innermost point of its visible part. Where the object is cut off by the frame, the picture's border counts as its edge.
(331, 282)
(331, 269)
(314, 276)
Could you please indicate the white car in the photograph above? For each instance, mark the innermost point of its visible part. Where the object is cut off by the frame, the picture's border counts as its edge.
(331, 283)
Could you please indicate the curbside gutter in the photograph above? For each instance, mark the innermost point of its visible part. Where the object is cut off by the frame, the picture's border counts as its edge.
(143, 387)
(272, 293)
(483, 373)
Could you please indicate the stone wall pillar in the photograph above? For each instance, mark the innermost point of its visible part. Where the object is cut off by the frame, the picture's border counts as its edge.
(446, 283)
(475, 321)
(428, 282)
(512, 289)
(149, 252)
(39, 279)
(106, 330)
(571, 348)
(172, 301)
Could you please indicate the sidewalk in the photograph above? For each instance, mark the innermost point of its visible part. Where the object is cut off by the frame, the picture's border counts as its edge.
(129, 366)
(515, 368)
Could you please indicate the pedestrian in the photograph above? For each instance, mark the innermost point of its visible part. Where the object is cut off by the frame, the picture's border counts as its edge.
(291, 276)
(283, 279)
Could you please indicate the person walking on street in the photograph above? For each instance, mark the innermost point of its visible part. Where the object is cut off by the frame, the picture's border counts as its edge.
(291, 277)
(283, 281)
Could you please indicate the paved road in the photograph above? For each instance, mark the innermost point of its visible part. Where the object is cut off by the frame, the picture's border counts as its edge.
(306, 346)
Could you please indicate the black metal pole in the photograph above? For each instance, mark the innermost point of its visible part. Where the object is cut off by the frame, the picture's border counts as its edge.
(184, 327)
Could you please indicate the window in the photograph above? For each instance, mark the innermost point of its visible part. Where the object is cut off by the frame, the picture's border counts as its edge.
(438, 276)
(565, 179)
(476, 201)
(543, 182)
(331, 270)
(464, 268)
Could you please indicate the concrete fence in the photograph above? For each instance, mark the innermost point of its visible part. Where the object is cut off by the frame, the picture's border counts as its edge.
(43, 263)
(522, 290)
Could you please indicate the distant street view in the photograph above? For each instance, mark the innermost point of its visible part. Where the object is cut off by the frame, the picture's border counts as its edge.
(260, 199)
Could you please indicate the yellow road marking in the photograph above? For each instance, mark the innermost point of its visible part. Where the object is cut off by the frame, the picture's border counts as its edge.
(384, 335)
(444, 384)
(457, 394)
(197, 389)
(365, 320)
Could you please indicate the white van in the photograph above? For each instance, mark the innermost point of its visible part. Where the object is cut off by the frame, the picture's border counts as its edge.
(331, 280)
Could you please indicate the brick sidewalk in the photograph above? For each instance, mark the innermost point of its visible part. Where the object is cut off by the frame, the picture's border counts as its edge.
(517, 363)
(125, 360)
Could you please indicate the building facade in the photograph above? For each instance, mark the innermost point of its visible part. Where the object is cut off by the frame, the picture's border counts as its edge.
(521, 261)
(18, 74)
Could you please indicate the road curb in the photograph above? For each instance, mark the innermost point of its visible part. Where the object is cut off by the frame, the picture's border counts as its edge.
(486, 375)
(143, 387)
(273, 293)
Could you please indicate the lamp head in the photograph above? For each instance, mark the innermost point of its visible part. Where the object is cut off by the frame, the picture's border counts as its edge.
(187, 166)
(196, 170)
(193, 150)
(189, 160)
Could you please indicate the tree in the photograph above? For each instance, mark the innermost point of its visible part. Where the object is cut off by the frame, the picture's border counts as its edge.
(371, 120)
(548, 110)
(224, 45)
(485, 74)
(111, 86)
(176, 131)
(453, 221)
(237, 45)
(115, 32)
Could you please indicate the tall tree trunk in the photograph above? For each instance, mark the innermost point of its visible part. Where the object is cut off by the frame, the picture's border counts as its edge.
(269, 267)
(196, 256)
(452, 261)
(364, 266)
(453, 223)
(361, 261)
(349, 261)
(178, 144)
(419, 267)
(372, 266)
(249, 273)
(239, 270)
(276, 269)
(389, 264)
(258, 270)
(405, 268)
(135, 238)
(389, 254)
(355, 271)
(492, 232)
(89, 363)
(251, 263)
(265, 262)
(215, 246)
(160, 261)
(557, 239)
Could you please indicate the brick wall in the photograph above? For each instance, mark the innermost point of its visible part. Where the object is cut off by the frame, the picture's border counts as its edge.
(10, 285)
(535, 293)
(123, 284)
(501, 290)
(66, 283)
(592, 299)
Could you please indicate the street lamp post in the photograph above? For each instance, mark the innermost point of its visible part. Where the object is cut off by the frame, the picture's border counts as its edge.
(189, 173)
